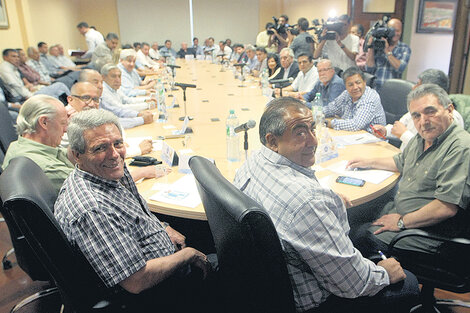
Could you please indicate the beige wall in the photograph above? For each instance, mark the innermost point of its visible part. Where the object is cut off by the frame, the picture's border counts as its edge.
(54, 21)
(312, 9)
(12, 36)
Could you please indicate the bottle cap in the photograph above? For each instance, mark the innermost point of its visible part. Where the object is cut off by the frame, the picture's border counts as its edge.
(232, 111)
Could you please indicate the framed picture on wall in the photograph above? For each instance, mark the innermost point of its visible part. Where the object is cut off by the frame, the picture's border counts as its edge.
(3, 15)
(436, 16)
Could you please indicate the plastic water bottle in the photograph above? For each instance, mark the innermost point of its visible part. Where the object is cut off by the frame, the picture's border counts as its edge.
(233, 146)
(317, 111)
(163, 115)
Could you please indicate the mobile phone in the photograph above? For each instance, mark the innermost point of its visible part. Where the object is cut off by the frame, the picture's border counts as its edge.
(350, 181)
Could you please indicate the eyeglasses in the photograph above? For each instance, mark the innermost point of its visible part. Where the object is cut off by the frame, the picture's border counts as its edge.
(87, 99)
(324, 69)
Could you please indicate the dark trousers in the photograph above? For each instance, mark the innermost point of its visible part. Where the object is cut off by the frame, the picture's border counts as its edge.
(396, 298)
(366, 242)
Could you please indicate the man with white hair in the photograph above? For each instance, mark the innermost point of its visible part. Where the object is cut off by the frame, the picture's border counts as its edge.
(41, 123)
(131, 84)
(289, 67)
(252, 61)
(113, 95)
(154, 53)
(144, 58)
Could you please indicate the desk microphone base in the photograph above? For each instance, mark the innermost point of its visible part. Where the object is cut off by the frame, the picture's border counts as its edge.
(189, 118)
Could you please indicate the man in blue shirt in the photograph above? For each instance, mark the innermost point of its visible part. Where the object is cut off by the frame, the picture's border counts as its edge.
(329, 85)
(392, 61)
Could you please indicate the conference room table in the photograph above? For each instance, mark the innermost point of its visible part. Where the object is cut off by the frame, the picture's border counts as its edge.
(209, 103)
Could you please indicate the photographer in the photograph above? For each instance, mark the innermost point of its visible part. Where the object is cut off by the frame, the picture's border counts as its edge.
(343, 50)
(392, 60)
(262, 39)
(303, 43)
(279, 34)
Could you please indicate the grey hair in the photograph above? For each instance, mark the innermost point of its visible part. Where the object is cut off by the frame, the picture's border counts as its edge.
(353, 70)
(108, 68)
(30, 51)
(250, 48)
(111, 36)
(86, 120)
(325, 61)
(429, 89)
(32, 110)
(83, 76)
(272, 121)
(291, 52)
(434, 76)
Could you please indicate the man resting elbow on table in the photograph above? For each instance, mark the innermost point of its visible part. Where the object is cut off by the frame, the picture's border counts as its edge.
(434, 190)
(357, 107)
(102, 213)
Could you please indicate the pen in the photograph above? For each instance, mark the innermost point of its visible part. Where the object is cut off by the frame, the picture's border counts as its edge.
(375, 131)
(382, 255)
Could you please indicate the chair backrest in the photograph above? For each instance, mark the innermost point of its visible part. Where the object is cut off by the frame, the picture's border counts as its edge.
(370, 80)
(462, 104)
(253, 270)
(7, 129)
(393, 97)
(29, 197)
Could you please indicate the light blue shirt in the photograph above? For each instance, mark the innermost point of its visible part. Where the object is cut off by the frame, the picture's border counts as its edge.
(111, 101)
(129, 81)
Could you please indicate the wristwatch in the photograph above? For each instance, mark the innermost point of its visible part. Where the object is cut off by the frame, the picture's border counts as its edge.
(401, 224)
(342, 46)
(389, 53)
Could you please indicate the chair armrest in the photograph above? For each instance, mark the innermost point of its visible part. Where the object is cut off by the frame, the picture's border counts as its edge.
(424, 234)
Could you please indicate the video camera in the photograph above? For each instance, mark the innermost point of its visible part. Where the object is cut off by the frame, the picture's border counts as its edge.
(333, 26)
(281, 29)
(378, 31)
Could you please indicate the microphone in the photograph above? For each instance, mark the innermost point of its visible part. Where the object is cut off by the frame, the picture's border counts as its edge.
(182, 85)
(244, 127)
(173, 66)
(240, 64)
(281, 81)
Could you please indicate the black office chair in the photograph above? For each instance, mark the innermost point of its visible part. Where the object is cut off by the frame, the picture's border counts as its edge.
(25, 257)
(370, 80)
(28, 196)
(393, 97)
(448, 269)
(7, 130)
(253, 271)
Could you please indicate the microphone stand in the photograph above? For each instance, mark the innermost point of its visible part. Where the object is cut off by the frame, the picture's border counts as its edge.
(185, 112)
(241, 65)
(245, 144)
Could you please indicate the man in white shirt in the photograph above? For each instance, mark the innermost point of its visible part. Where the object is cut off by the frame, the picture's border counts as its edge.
(144, 58)
(114, 96)
(305, 80)
(252, 60)
(93, 38)
(153, 52)
(342, 51)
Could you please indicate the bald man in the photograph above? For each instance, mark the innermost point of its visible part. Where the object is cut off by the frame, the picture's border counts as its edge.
(392, 61)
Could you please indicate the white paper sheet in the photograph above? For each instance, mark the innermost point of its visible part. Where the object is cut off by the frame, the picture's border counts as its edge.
(182, 192)
(356, 139)
(371, 176)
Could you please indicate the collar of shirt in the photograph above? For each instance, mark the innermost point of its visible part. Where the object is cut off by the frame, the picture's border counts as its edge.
(276, 158)
(439, 139)
(97, 179)
(40, 147)
(109, 88)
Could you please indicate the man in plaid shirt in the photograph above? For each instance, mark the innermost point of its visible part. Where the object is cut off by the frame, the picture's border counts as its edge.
(392, 61)
(102, 213)
(312, 223)
(357, 107)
